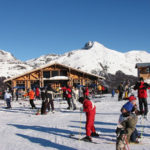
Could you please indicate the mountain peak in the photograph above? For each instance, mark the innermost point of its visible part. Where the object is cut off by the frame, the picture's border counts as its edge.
(6, 55)
(92, 44)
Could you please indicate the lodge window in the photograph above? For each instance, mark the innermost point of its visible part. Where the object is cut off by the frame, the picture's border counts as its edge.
(148, 70)
(145, 70)
(54, 73)
(63, 73)
(20, 82)
(20, 85)
(46, 74)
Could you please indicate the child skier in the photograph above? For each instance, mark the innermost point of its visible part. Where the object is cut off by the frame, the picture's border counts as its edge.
(127, 124)
(90, 109)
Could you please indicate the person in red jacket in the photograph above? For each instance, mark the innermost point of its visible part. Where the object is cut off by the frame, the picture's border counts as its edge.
(69, 96)
(64, 92)
(85, 91)
(142, 87)
(37, 93)
(90, 109)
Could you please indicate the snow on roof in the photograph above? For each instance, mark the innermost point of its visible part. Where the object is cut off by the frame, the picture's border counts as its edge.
(47, 65)
(58, 78)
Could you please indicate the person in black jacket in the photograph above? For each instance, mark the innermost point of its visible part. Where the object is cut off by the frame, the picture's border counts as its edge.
(49, 93)
(44, 103)
(121, 90)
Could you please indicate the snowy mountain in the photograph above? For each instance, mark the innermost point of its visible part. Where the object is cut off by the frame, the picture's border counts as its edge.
(93, 58)
(45, 59)
(10, 66)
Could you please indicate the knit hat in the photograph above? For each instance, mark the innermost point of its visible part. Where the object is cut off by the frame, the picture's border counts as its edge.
(81, 99)
(132, 98)
(141, 79)
(128, 106)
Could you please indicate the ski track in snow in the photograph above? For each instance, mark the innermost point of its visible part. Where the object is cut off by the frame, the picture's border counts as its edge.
(21, 129)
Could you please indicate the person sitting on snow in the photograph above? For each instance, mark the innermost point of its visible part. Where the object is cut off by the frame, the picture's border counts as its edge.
(90, 109)
(127, 123)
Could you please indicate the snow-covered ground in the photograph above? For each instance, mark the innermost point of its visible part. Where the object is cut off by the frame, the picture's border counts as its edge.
(21, 129)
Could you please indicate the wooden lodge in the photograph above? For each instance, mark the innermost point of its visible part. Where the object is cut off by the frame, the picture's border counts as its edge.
(56, 74)
(143, 70)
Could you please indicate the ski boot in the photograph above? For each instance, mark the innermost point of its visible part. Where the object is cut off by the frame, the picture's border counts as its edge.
(94, 134)
(87, 139)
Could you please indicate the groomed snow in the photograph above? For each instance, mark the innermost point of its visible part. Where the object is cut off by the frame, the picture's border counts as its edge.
(21, 129)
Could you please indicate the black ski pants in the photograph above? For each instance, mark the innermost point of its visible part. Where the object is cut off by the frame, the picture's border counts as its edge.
(120, 96)
(50, 104)
(143, 103)
(69, 103)
(32, 103)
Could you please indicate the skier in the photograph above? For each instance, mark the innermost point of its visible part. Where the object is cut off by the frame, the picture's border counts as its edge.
(112, 93)
(63, 88)
(126, 91)
(75, 96)
(103, 89)
(17, 94)
(37, 93)
(85, 91)
(142, 87)
(121, 90)
(31, 95)
(50, 97)
(43, 96)
(90, 109)
(7, 97)
(69, 96)
(99, 89)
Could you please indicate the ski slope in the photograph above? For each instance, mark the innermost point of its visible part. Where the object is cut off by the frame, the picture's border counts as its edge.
(21, 129)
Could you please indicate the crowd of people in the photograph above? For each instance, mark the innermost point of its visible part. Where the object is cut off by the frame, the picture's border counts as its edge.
(126, 131)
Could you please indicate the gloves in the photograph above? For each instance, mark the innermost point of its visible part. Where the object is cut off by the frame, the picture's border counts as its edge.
(118, 130)
(81, 109)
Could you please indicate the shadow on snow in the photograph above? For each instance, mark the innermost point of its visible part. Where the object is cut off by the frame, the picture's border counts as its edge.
(45, 143)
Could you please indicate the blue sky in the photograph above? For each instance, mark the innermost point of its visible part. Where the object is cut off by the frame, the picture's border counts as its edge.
(31, 28)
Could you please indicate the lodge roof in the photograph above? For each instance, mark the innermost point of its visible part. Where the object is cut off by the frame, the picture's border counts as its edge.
(138, 65)
(48, 65)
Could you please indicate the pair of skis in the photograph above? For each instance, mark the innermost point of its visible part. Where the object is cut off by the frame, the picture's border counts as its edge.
(80, 138)
(95, 140)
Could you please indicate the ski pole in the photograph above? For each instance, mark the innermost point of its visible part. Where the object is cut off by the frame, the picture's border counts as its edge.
(142, 130)
(80, 125)
(125, 137)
